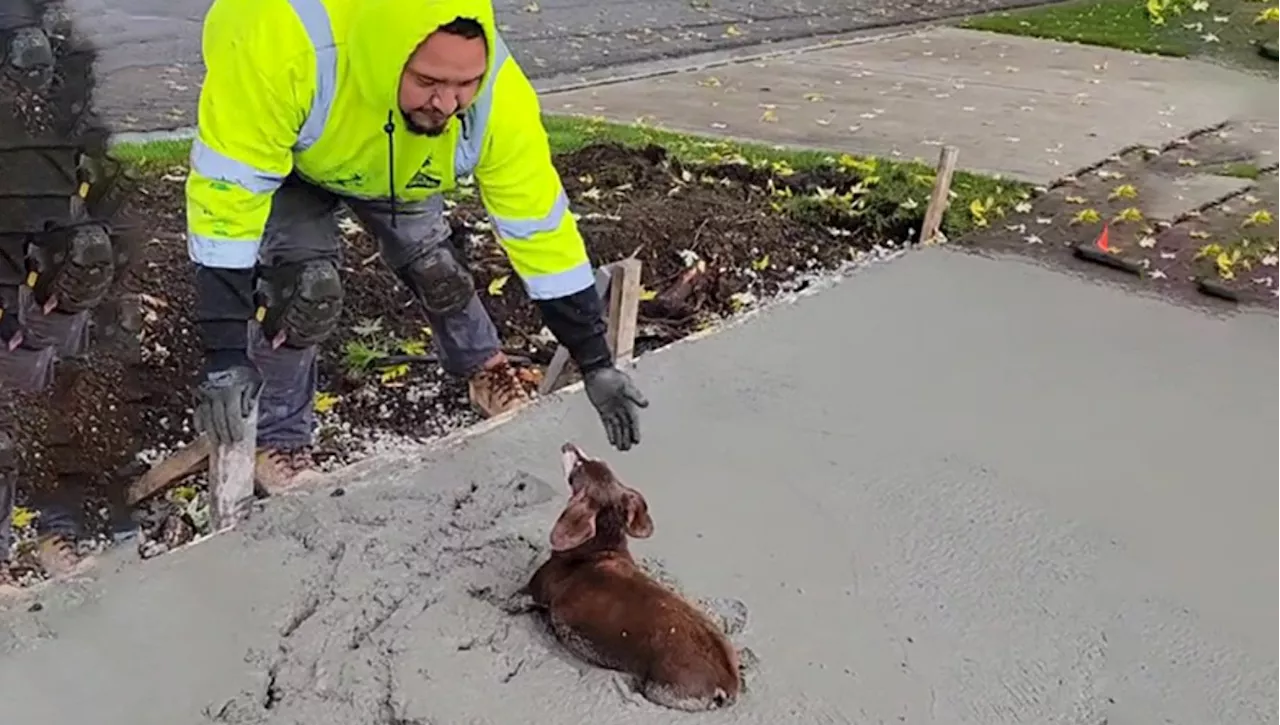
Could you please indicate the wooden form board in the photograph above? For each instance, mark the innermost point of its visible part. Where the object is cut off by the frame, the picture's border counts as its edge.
(183, 462)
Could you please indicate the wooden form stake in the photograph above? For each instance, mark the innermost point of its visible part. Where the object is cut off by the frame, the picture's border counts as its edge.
(231, 475)
(624, 308)
(941, 195)
(560, 360)
(619, 284)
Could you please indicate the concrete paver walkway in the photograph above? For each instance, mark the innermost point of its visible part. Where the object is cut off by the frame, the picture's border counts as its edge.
(1030, 109)
(995, 503)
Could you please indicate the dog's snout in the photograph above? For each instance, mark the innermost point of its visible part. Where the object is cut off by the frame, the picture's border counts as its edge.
(570, 457)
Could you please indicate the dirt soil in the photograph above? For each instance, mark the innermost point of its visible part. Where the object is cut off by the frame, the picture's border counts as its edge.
(1195, 221)
(711, 240)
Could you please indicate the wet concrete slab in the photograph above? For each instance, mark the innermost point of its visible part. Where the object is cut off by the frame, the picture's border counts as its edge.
(950, 489)
(1029, 109)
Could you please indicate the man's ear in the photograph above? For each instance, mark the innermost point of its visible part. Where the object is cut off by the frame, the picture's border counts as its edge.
(639, 525)
(576, 525)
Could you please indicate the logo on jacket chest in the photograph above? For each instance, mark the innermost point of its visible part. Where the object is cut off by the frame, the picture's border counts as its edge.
(425, 177)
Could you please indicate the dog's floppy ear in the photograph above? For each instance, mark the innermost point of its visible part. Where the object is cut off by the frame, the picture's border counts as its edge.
(639, 525)
(576, 525)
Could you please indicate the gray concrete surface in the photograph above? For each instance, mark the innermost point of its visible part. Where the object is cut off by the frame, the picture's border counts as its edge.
(1027, 108)
(150, 65)
(949, 490)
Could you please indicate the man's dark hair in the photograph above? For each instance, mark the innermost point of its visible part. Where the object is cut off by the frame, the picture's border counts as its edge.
(468, 28)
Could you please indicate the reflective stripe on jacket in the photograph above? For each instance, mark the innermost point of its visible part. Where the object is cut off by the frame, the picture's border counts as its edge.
(312, 87)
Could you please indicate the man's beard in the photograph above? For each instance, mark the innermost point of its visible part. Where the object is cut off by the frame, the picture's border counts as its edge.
(417, 128)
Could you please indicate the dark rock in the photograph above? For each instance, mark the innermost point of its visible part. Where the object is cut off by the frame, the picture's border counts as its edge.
(29, 50)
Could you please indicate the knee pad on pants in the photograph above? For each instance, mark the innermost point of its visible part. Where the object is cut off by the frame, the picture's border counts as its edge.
(439, 280)
(303, 301)
(76, 264)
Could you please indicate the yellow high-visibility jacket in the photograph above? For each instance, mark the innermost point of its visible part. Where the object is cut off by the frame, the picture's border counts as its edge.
(311, 86)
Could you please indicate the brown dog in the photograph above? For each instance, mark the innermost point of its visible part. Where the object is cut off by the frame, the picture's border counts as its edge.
(607, 611)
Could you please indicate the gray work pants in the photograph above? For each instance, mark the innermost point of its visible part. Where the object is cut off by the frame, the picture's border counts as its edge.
(302, 227)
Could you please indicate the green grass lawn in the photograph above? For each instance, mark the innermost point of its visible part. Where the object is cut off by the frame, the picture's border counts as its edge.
(1222, 30)
(1112, 23)
(893, 188)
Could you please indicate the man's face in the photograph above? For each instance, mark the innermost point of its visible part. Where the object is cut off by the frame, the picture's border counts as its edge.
(440, 80)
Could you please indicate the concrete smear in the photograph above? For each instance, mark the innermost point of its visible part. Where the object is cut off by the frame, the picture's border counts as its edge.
(950, 490)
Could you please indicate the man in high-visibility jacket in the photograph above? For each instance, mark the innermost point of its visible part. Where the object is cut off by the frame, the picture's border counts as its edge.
(380, 105)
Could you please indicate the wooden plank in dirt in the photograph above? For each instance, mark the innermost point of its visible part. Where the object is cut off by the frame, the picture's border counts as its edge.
(231, 475)
(180, 464)
(624, 308)
(560, 360)
(941, 195)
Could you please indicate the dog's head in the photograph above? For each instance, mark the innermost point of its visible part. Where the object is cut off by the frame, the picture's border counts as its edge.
(601, 507)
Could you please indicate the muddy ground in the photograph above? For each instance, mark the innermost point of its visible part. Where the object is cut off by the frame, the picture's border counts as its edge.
(714, 240)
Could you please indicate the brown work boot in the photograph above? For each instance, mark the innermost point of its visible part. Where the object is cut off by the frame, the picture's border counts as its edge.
(280, 471)
(497, 389)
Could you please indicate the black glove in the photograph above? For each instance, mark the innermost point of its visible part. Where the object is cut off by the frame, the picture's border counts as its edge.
(10, 332)
(616, 399)
(226, 395)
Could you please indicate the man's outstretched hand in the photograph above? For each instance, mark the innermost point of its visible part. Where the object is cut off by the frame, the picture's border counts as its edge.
(617, 400)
